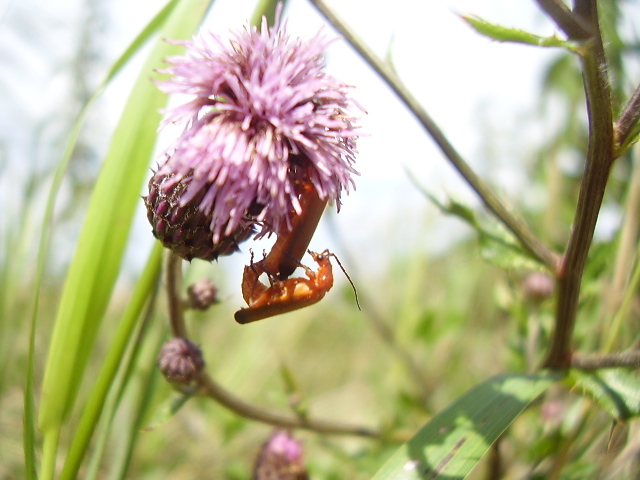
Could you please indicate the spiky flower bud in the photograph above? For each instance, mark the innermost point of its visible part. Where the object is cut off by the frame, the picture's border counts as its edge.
(202, 294)
(280, 458)
(180, 361)
(183, 227)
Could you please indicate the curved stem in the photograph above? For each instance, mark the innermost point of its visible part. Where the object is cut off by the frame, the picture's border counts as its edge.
(215, 391)
(173, 264)
(522, 232)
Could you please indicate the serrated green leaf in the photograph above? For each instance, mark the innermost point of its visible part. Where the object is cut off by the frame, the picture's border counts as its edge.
(617, 390)
(455, 440)
(498, 246)
(515, 35)
(167, 410)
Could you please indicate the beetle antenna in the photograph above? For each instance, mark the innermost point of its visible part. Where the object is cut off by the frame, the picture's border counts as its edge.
(355, 292)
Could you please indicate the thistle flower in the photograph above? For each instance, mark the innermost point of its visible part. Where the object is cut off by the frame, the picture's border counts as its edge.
(264, 121)
(280, 458)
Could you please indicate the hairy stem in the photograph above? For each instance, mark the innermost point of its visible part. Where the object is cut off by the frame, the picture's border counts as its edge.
(611, 360)
(596, 173)
(522, 232)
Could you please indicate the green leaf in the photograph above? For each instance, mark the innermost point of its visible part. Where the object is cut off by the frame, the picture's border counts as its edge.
(498, 246)
(146, 285)
(455, 440)
(96, 262)
(514, 35)
(617, 390)
(167, 410)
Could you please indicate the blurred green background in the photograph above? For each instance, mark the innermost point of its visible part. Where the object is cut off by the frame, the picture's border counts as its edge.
(443, 305)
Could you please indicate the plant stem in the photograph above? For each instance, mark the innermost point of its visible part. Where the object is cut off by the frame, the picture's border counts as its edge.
(596, 173)
(173, 267)
(611, 360)
(528, 240)
(570, 24)
(222, 396)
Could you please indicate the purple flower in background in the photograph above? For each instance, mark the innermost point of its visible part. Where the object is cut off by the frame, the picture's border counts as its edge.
(281, 457)
(264, 121)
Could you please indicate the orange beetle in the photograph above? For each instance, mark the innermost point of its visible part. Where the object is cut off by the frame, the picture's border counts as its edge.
(283, 296)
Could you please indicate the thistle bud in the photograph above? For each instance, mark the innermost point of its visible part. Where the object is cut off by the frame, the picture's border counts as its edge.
(202, 294)
(182, 226)
(280, 458)
(180, 361)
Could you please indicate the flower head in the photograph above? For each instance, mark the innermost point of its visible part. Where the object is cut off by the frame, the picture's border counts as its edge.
(264, 121)
(280, 457)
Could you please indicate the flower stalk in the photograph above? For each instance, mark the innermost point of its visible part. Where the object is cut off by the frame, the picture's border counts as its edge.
(600, 156)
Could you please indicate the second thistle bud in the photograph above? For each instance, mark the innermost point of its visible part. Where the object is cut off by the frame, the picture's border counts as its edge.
(202, 294)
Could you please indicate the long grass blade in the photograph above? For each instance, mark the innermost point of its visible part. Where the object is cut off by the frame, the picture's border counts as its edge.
(96, 263)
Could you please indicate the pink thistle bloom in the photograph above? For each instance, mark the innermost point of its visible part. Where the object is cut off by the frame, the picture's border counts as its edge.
(281, 457)
(264, 118)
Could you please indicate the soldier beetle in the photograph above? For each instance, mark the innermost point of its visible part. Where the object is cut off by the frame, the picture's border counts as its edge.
(290, 246)
(284, 296)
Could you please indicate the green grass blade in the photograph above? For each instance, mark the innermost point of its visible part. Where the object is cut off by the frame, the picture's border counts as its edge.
(455, 440)
(97, 259)
(143, 291)
(29, 416)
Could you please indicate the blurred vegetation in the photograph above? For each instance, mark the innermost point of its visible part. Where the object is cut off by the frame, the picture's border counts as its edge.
(431, 327)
